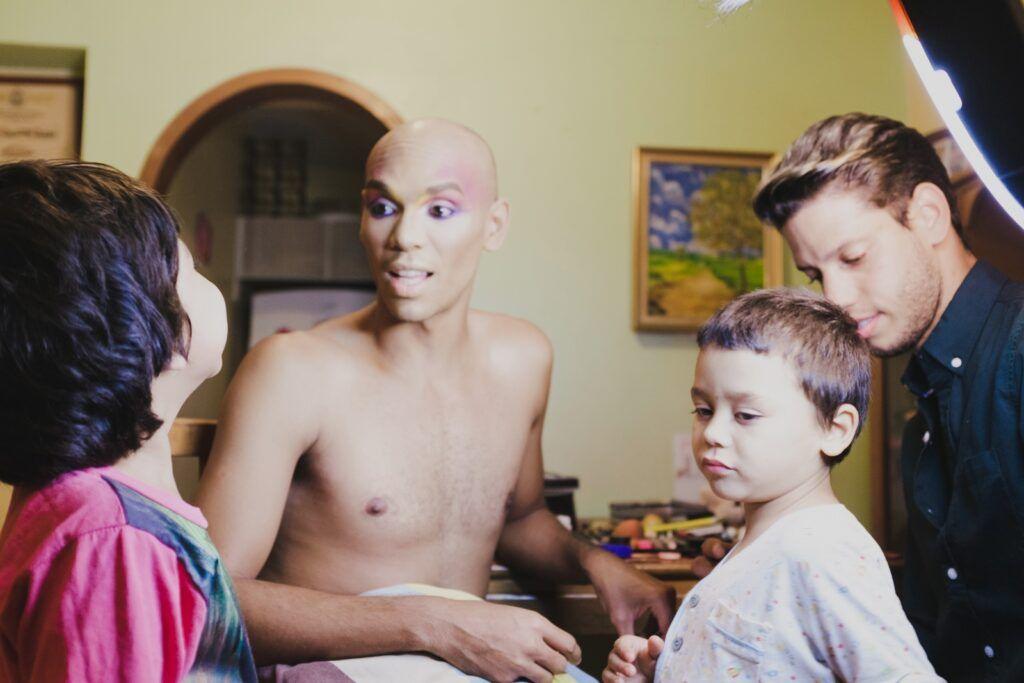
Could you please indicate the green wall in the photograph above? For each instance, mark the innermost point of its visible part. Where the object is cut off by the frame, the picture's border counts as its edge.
(564, 91)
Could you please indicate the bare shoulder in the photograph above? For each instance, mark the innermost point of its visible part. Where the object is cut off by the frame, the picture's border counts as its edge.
(285, 375)
(274, 377)
(514, 342)
(303, 356)
(282, 358)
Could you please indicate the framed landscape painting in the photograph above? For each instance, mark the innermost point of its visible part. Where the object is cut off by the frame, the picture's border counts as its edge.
(698, 243)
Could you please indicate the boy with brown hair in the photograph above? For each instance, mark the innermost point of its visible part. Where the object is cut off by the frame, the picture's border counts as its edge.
(781, 383)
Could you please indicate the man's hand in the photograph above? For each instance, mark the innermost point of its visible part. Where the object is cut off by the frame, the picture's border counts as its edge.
(500, 643)
(628, 594)
(712, 550)
(633, 660)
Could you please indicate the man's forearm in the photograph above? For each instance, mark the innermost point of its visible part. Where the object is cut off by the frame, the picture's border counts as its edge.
(539, 546)
(289, 624)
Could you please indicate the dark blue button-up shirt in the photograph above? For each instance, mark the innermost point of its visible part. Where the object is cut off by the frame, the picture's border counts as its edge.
(963, 474)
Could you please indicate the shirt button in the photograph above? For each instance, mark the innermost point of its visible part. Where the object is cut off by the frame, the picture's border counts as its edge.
(956, 362)
(951, 573)
(694, 600)
(926, 437)
(677, 644)
(989, 652)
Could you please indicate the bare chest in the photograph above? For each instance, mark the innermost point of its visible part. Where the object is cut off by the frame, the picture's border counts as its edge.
(407, 469)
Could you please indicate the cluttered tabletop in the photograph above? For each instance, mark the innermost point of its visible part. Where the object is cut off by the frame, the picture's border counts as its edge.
(658, 538)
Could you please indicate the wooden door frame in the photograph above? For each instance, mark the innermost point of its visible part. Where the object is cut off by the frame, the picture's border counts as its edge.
(246, 91)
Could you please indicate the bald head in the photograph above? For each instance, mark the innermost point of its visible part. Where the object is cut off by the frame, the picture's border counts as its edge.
(430, 209)
(449, 149)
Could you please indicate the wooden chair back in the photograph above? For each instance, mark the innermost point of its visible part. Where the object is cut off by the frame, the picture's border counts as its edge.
(192, 438)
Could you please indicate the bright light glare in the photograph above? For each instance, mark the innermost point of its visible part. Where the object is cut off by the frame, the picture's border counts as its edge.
(944, 84)
(943, 93)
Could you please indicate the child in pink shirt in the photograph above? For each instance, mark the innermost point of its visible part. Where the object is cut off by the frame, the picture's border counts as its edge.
(106, 574)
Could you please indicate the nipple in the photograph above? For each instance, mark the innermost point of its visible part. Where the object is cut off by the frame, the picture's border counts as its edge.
(376, 507)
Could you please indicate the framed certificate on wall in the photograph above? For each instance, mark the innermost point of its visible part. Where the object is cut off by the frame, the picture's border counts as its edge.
(40, 118)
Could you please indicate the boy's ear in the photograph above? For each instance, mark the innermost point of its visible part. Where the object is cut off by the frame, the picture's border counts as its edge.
(498, 219)
(841, 430)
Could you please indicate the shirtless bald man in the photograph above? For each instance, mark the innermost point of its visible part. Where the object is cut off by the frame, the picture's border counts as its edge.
(402, 444)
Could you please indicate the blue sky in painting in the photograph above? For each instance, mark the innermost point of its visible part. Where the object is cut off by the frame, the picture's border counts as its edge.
(671, 190)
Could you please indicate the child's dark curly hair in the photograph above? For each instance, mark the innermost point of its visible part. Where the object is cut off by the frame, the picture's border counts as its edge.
(89, 315)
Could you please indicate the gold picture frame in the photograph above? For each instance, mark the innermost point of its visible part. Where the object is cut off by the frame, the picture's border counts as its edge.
(697, 242)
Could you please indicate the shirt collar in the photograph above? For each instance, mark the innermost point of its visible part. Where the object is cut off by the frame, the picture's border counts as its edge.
(949, 346)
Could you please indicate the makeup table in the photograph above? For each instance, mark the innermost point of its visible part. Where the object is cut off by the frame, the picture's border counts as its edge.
(575, 607)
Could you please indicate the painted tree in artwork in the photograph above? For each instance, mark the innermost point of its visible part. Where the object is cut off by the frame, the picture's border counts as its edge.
(723, 220)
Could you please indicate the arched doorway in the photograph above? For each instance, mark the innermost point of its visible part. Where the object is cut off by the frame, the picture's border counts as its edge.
(248, 91)
(305, 258)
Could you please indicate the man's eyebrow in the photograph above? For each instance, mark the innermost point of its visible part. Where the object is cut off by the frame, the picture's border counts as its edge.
(377, 185)
(831, 255)
(697, 392)
(435, 189)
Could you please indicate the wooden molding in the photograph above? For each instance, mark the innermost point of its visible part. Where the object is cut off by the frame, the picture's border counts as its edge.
(245, 91)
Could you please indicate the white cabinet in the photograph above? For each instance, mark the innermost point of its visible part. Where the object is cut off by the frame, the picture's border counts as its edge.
(322, 248)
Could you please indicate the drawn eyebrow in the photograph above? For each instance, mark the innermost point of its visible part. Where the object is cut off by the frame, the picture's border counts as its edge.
(377, 185)
(435, 189)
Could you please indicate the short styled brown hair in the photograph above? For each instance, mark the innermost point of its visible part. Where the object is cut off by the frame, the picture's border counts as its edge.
(832, 362)
(880, 156)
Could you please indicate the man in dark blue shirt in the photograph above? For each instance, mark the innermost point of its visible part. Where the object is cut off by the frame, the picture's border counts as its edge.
(868, 210)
